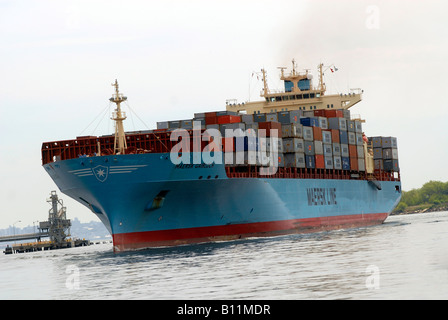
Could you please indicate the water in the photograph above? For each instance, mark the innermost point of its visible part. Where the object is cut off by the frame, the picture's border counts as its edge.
(405, 258)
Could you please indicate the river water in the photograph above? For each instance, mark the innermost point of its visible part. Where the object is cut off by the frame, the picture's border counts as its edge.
(404, 258)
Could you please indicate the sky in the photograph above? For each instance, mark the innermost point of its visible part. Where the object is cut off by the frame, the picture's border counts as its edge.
(173, 58)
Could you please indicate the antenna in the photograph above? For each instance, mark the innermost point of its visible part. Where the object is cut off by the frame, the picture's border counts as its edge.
(282, 70)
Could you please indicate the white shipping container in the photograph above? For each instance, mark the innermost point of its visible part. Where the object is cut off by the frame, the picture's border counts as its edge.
(308, 133)
(351, 138)
(318, 147)
(328, 162)
(323, 122)
(336, 149)
(307, 114)
(328, 149)
(360, 151)
(361, 164)
(326, 136)
(344, 150)
(395, 154)
(359, 140)
(337, 162)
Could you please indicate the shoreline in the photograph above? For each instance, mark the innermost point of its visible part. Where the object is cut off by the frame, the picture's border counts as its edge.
(421, 209)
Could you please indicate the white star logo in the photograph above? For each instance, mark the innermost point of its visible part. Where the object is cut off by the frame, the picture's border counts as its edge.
(101, 173)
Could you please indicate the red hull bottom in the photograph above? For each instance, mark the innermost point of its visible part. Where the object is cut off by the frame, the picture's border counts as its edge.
(175, 237)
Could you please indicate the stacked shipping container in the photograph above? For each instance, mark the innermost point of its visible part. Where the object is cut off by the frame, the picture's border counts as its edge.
(385, 153)
(319, 139)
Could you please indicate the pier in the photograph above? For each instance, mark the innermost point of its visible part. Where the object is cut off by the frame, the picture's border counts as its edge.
(45, 245)
(25, 236)
(57, 228)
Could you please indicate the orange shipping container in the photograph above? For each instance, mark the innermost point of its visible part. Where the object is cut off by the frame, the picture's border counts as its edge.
(317, 133)
(352, 151)
(320, 161)
(353, 163)
(335, 135)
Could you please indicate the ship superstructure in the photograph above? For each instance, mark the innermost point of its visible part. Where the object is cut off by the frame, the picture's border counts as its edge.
(294, 162)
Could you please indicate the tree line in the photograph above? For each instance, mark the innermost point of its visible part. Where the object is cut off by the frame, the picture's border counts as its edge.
(433, 194)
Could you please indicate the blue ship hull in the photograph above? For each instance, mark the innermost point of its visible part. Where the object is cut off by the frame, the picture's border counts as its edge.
(145, 200)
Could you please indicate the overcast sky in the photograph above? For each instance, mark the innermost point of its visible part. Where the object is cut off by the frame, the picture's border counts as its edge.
(174, 58)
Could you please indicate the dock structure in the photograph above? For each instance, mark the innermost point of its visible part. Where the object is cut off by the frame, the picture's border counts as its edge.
(45, 245)
(57, 228)
(26, 236)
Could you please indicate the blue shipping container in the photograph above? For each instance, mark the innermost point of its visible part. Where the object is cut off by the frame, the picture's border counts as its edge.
(345, 163)
(310, 122)
(343, 137)
(310, 162)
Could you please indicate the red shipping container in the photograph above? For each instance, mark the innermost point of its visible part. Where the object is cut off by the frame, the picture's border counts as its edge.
(271, 125)
(317, 133)
(353, 163)
(334, 114)
(211, 120)
(228, 119)
(320, 161)
(228, 144)
(319, 113)
(352, 151)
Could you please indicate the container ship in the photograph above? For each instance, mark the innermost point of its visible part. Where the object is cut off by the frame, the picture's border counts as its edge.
(296, 161)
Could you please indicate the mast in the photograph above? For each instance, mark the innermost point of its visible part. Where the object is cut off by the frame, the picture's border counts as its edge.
(265, 85)
(118, 116)
(321, 80)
